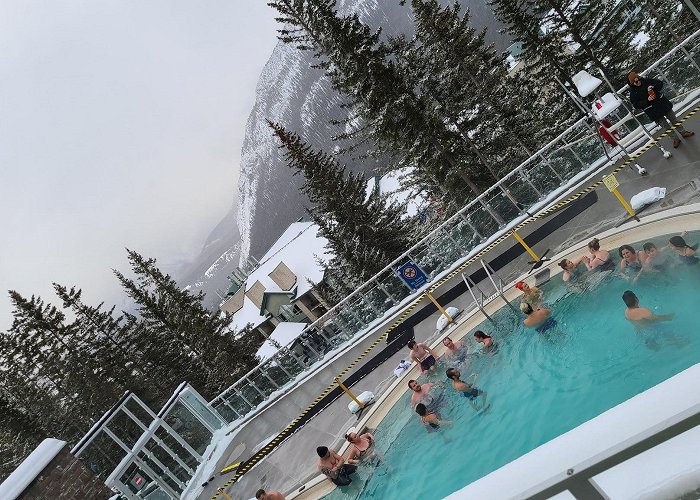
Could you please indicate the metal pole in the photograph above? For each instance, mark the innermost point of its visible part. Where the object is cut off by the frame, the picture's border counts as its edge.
(347, 391)
(693, 9)
(440, 308)
(469, 284)
(525, 246)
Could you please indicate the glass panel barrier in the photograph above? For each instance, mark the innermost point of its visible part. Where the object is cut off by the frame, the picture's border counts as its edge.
(190, 429)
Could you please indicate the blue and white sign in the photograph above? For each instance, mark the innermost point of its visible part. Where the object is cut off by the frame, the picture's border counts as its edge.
(412, 275)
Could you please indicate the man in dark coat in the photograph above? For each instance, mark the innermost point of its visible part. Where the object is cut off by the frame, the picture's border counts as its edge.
(645, 93)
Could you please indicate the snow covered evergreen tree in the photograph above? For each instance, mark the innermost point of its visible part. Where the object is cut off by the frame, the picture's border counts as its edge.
(364, 233)
(400, 122)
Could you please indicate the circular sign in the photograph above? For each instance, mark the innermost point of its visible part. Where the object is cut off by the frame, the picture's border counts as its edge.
(410, 272)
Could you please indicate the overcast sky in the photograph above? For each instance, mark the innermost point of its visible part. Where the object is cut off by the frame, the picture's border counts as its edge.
(121, 124)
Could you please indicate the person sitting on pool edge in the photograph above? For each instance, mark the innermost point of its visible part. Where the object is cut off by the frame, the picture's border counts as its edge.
(334, 467)
(640, 316)
(486, 340)
(686, 253)
(540, 319)
(468, 391)
(431, 420)
(423, 355)
(531, 294)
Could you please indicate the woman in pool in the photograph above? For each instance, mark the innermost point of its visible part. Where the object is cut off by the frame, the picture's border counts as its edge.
(599, 259)
(531, 294)
(571, 268)
(362, 446)
(486, 340)
(431, 420)
(632, 260)
(686, 253)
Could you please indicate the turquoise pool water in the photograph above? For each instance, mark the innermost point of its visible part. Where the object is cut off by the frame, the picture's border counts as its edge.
(539, 385)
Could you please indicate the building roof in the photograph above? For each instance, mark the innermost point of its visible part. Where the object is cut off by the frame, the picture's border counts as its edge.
(298, 247)
(30, 468)
(284, 334)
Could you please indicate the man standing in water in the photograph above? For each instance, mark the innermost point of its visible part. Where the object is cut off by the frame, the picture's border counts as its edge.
(468, 391)
(540, 319)
(420, 392)
(421, 354)
(640, 317)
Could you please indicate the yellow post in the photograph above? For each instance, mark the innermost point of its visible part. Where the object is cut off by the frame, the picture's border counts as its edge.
(440, 308)
(525, 246)
(347, 391)
(624, 203)
(612, 184)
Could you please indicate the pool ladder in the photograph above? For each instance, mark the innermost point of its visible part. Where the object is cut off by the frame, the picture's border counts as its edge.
(484, 299)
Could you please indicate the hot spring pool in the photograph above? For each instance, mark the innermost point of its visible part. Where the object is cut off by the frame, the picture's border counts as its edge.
(539, 385)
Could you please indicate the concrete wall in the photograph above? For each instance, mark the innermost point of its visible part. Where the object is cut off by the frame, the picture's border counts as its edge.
(66, 478)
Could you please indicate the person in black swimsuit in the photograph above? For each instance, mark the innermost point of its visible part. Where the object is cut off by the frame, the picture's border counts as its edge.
(686, 253)
(431, 420)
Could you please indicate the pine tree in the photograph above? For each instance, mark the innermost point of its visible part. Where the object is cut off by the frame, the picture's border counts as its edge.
(360, 66)
(175, 330)
(364, 233)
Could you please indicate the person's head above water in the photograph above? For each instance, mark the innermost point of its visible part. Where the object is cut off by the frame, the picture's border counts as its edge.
(566, 264)
(479, 335)
(627, 252)
(260, 494)
(526, 308)
(594, 245)
(521, 285)
(414, 386)
(421, 409)
(411, 343)
(452, 373)
(322, 451)
(678, 242)
(447, 342)
(649, 248)
(630, 299)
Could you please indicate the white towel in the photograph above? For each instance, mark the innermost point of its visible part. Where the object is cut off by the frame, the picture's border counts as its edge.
(401, 368)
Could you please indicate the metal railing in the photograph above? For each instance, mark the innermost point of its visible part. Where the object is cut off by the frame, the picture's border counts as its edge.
(571, 157)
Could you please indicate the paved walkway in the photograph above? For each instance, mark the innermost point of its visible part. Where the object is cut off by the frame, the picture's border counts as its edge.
(293, 463)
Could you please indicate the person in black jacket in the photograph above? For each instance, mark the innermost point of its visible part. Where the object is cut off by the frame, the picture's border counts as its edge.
(645, 93)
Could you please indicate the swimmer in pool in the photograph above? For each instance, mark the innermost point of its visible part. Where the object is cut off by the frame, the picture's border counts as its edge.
(632, 260)
(467, 390)
(641, 317)
(655, 260)
(571, 268)
(423, 355)
(486, 340)
(531, 294)
(455, 350)
(540, 319)
(430, 419)
(362, 447)
(600, 258)
(420, 391)
(686, 253)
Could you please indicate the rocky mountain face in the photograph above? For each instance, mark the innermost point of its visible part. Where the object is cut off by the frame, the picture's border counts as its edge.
(293, 93)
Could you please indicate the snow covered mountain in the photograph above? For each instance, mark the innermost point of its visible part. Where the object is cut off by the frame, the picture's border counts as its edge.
(300, 98)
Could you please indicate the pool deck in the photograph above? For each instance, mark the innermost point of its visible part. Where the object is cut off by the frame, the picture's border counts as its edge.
(293, 463)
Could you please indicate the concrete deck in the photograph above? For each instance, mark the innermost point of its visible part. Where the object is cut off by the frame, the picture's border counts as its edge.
(293, 463)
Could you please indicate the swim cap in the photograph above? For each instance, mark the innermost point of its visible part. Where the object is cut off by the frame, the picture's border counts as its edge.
(519, 285)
